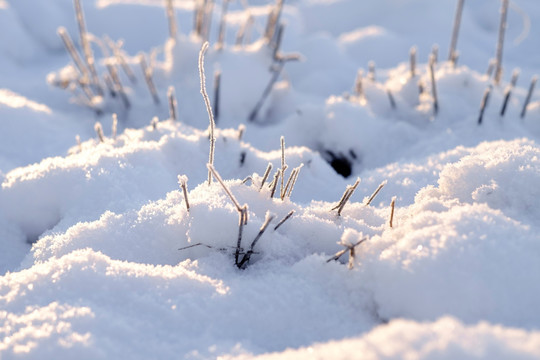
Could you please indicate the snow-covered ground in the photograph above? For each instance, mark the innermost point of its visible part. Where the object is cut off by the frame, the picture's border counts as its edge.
(102, 257)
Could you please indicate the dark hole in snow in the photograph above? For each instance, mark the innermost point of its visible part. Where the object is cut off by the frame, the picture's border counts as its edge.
(339, 162)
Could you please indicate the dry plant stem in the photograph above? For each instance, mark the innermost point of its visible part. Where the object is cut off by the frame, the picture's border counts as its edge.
(297, 171)
(68, 43)
(347, 248)
(207, 22)
(120, 59)
(217, 88)
(508, 91)
(154, 122)
(148, 78)
(529, 95)
(435, 53)
(381, 185)
(172, 103)
(183, 185)
(287, 217)
(273, 184)
(391, 99)
(87, 50)
(267, 90)
(500, 42)
(171, 18)
(491, 66)
(433, 85)
(208, 108)
(455, 58)
(483, 104)
(346, 196)
(245, 260)
(265, 176)
(455, 31)
(242, 221)
(109, 84)
(225, 188)
(392, 207)
(99, 131)
(241, 131)
(352, 256)
(222, 22)
(243, 30)
(277, 44)
(118, 85)
(283, 167)
(273, 21)
(288, 184)
(412, 59)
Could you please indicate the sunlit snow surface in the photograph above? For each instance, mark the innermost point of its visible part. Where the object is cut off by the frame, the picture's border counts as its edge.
(90, 232)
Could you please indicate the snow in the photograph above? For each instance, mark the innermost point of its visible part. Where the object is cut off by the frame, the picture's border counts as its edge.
(103, 258)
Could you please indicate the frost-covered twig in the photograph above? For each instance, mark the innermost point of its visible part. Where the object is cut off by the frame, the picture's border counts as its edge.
(120, 59)
(87, 50)
(346, 196)
(455, 31)
(508, 91)
(287, 217)
(241, 131)
(68, 43)
(182, 181)
(273, 21)
(265, 176)
(243, 30)
(99, 131)
(222, 22)
(358, 84)
(171, 18)
(245, 260)
(371, 71)
(529, 95)
(273, 184)
(208, 108)
(433, 84)
(392, 206)
(154, 122)
(147, 72)
(483, 104)
(171, 98)
(283, 167)
(350, 249)
(500, 42)
(381, 185)
(217, 91)
(277, 44)
(435, 53)
(491, 66)
(267, 90)
(294, 177)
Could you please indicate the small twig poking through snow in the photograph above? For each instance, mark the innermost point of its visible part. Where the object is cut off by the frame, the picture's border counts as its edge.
(283, 167)
(208, 108)
(412, 60)
(243, 30)
(241, 131)
(277, 44)
(99, 131)
(508, 91)
(381, 185)
(287, 217)
(455, 58)
(346, 196)
(114, 127)
(171, 98)
(273, 184)
(391, 99)
(120, 59)
(529, 95)
(68, 43)
(217, 91)
(265, 176)
(371, 71)
(171, 18)
(245, 260)
(242, 211)
(350, 249)
(148, 78)
(500, 42)
(85, 44)
(246, 179)
(392, 206)
(294, 178)
(119, 88)
(222, 22)
(455, 31)
(154, 122)
(358, 84)
(110, 85)
(433, 85)
(273, 21)
(267, 90)
(182, 181)
(484, 103)
(491, 66)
